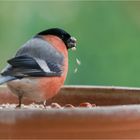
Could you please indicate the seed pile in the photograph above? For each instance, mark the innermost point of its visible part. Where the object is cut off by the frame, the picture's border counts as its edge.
(51, 106)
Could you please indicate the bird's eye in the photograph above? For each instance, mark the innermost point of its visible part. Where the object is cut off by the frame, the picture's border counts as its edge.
(62, 36)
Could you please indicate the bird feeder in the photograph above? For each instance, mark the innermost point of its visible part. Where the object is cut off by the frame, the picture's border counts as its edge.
(116, 115)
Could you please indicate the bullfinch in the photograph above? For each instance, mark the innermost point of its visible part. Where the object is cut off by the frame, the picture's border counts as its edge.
(39, 68)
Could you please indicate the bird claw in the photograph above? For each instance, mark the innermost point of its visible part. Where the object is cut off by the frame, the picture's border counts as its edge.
(18, 106)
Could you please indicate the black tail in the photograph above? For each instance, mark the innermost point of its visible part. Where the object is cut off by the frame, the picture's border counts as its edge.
(4, 79)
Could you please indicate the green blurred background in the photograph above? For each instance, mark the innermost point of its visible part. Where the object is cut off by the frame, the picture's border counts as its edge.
(108, 35)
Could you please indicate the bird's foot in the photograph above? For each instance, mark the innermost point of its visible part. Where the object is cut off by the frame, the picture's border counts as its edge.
(44, 104)
(18, 106)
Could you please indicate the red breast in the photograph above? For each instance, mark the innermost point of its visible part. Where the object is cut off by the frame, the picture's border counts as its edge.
(51, 85)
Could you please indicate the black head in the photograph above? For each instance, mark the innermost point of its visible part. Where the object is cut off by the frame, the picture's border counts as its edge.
(69, 41)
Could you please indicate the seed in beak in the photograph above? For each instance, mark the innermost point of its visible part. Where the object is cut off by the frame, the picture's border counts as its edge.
(73, 49)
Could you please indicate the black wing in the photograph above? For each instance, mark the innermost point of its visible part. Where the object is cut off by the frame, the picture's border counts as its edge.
(36, 58)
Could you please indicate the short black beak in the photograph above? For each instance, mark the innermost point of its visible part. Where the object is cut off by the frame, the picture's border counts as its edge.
(71, 42)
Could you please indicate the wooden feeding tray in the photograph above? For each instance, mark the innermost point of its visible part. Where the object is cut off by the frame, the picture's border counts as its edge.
(116, 115)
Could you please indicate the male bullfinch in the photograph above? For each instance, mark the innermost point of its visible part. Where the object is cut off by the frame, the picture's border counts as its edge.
(39, 68)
